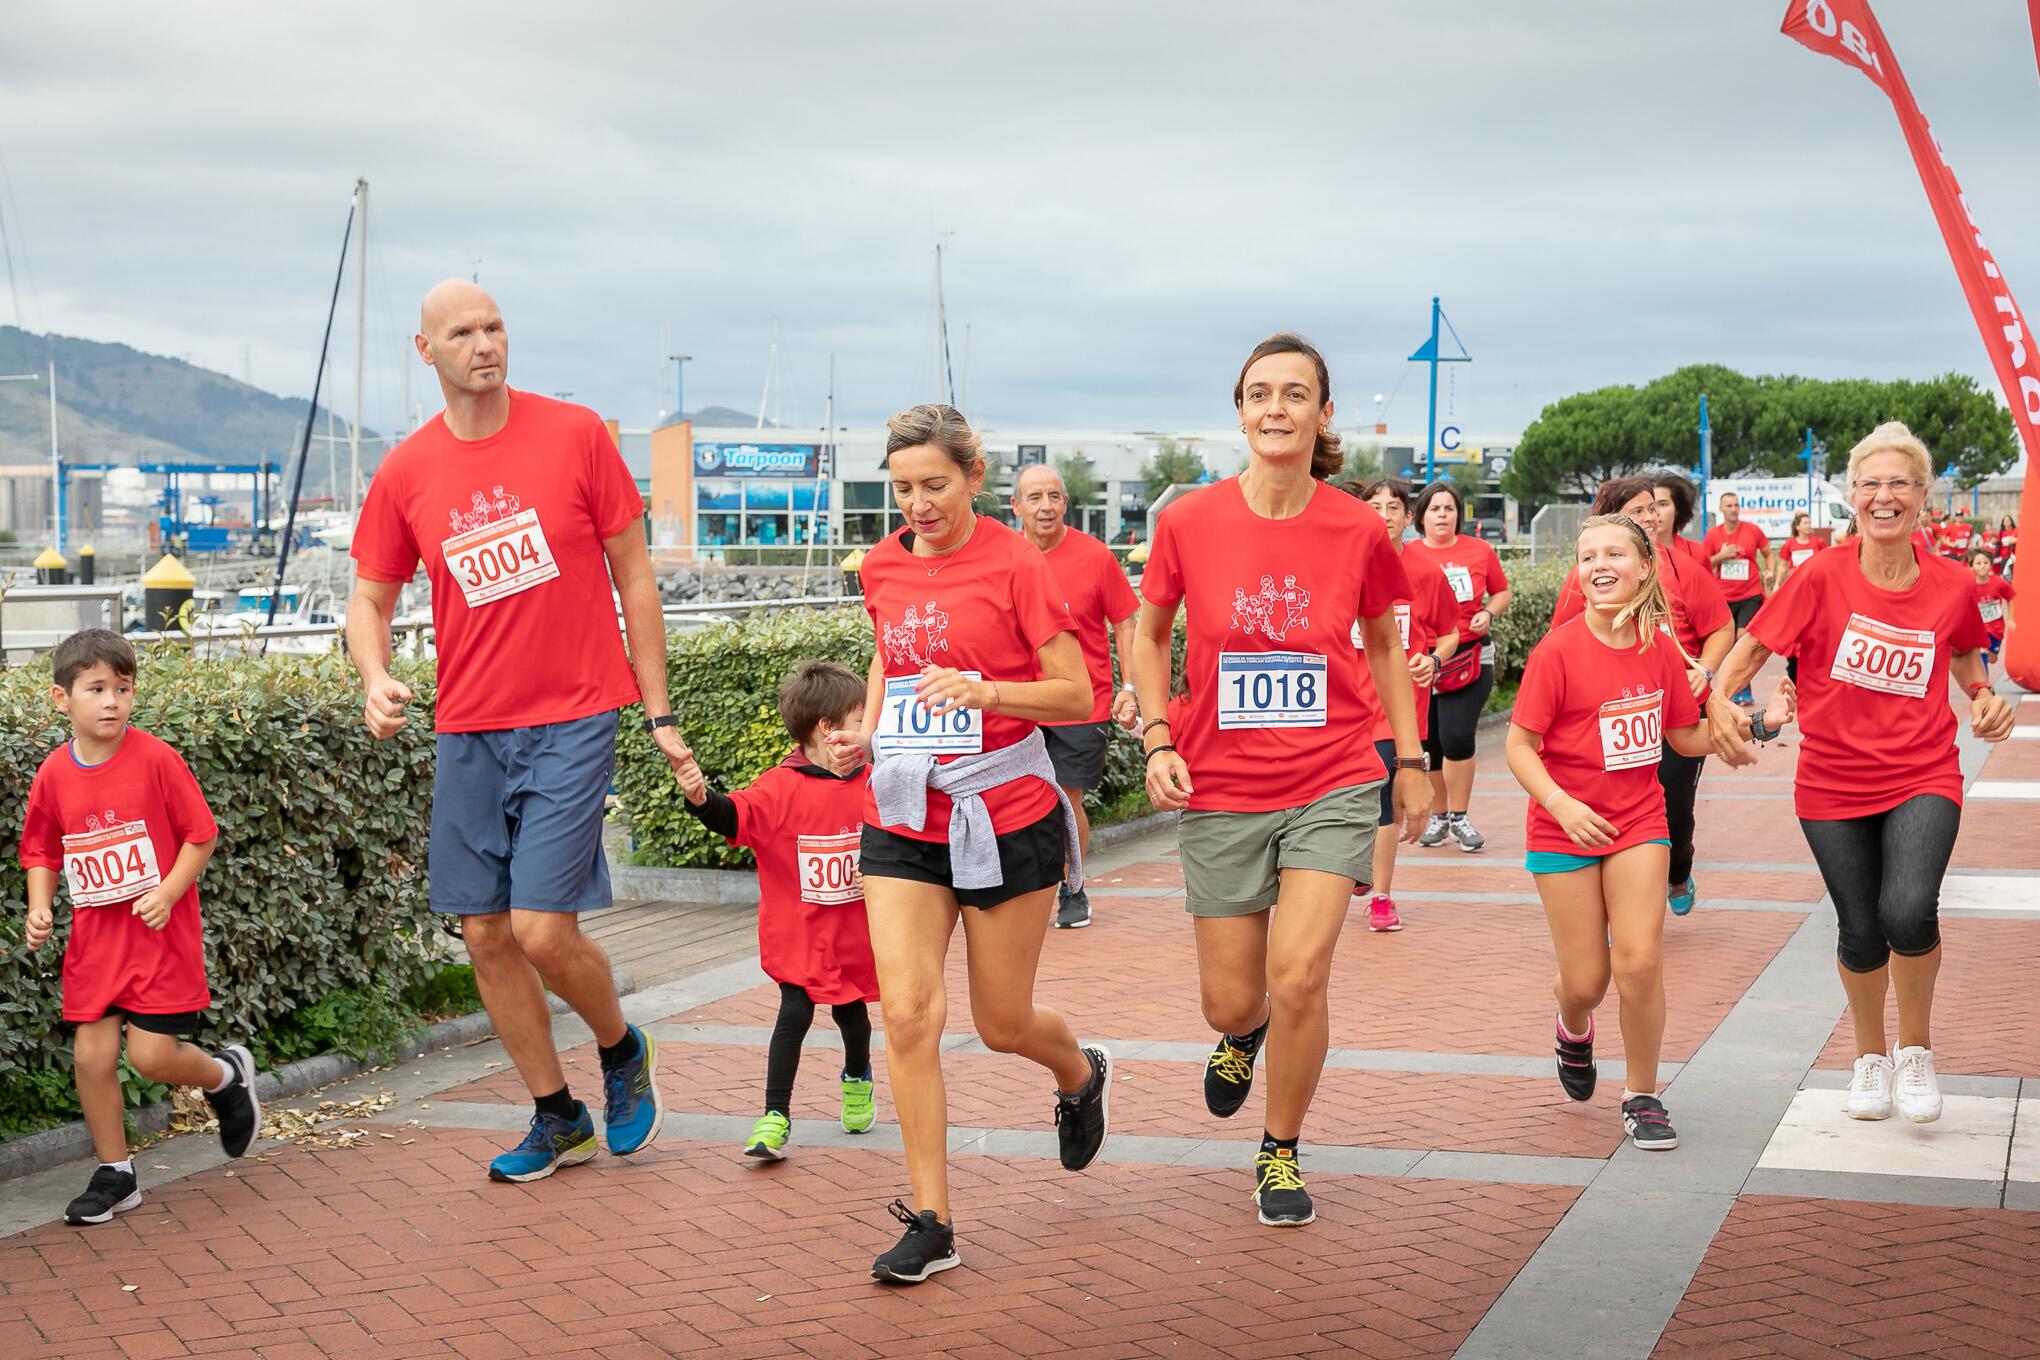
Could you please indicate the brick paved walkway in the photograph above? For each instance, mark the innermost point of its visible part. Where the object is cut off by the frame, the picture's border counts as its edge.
(1464, 1205)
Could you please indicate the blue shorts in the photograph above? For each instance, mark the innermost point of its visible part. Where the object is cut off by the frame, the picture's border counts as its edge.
(1558, 862)
(517, 818)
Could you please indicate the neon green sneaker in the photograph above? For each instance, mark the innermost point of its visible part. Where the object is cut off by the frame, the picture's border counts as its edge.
(768, 1136)
(860, 1106)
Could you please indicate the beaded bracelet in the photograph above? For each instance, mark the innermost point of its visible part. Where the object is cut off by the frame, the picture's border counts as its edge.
(1153, 749)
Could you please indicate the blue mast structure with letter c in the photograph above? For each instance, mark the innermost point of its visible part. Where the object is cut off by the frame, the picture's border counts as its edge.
(1427, 353)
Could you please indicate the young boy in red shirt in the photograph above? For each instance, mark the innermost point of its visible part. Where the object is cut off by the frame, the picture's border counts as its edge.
(805, 823)
(1994, 596)
(118, 814)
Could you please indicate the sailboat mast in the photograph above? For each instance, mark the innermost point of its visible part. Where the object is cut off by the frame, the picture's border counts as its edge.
(945, 377)
(360, 343)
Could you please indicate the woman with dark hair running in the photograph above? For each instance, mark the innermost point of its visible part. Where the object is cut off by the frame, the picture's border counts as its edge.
(1270, 754)
(1475, 574)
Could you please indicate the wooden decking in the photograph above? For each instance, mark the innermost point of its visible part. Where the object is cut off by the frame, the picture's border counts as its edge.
(656, 942)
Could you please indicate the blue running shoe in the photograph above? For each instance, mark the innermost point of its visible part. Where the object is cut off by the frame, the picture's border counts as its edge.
(632, 1111)
(1745, 696)
(552, 1143)
(1682, 898)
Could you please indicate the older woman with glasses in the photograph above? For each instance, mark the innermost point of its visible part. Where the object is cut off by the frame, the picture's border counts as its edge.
(1878, 627)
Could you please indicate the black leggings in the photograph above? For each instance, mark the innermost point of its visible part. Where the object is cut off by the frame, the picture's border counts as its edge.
(1455, 719)
(796, 1014)
(1679, 777)
(1884, 872)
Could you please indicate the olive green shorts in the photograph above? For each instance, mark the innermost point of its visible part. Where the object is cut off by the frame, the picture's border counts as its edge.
(1233, 861)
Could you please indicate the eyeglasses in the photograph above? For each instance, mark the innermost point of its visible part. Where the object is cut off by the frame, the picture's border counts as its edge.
(1899, 485)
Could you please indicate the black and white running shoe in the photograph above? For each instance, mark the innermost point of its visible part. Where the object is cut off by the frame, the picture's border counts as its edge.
(237, 1109)
(927, 1248)
(1576, 1068)
(1229, 1074)
(1081, 1119)
(1647, 1124)
(111, 1191)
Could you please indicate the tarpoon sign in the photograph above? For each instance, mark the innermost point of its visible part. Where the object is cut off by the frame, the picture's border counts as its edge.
(757, 460)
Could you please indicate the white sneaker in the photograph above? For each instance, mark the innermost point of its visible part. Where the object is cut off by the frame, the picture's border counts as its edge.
(1435, 831)
(1919, 1094)
(1870, 1088)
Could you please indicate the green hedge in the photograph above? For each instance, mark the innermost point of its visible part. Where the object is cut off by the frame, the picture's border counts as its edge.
(1533, 593)
(725, 682)
(317, 886)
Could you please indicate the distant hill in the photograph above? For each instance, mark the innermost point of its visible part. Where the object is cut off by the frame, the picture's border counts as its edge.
(118, 404)
(723, 417)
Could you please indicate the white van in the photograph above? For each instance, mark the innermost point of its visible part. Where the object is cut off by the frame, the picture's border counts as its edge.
(1770, 502)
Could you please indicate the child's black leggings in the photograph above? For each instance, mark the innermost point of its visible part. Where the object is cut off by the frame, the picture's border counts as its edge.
(796, 1015)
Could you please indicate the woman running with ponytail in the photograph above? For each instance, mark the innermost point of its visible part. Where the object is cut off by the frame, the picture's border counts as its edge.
(1601, 695)
(1705, 631)
(1271, 750)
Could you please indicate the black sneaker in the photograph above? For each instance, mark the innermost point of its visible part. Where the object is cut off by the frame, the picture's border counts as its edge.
(1080, 1120)
(1644, 1119)
(1072, 910)
(1576, 1069)
(1279, 1192)
(237, 1109)
(1229, 1075)
(112, 1191)
(927, 1248)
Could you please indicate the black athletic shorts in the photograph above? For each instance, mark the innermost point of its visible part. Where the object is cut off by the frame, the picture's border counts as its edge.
(175, 1024)
(1030, 859)
(1077, 750)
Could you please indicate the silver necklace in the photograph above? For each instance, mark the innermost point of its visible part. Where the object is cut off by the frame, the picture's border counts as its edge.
(950, 556)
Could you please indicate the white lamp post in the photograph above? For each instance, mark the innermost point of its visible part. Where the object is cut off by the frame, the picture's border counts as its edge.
(56, 478)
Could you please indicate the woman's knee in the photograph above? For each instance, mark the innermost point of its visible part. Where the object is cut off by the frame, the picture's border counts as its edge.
(913, 1017)
(1298, 984)
(1234, 1010)
(1911, 928)
(1582, 985)
(1636, 965)
(1003, 1031)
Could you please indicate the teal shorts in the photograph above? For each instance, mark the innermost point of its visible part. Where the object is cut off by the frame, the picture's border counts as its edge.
(1556, 862)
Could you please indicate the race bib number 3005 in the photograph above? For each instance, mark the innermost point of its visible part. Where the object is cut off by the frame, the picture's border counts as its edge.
(500, 559)
(828, 869)
(106, 868)
(1632, 730)
(1889, 660)
(907, 725)
(1270, 689)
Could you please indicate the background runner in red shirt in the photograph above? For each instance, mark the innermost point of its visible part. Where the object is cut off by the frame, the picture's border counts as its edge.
(1880, 627)
(1994, 596)
(1102, 606)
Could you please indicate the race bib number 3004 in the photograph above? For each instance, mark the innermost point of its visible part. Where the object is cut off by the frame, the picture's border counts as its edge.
(1889, 660)
(828, 869)
(1632, 730)
(500, 559)
(1270, 689)
(907, 725)
(106, 868)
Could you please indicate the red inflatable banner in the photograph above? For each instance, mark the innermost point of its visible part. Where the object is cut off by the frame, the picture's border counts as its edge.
(1847, 31)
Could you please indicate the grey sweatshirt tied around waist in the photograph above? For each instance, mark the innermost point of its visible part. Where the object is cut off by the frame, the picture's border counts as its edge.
(900, 783)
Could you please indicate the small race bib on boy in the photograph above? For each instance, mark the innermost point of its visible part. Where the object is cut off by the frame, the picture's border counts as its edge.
(1461, 581)
(907, 725)
(1736, 569)
(1992, 610)
(109, 867)
(1632, 731)
(1270, 689)
(1889, 660)
(500, 559)
(828, 869)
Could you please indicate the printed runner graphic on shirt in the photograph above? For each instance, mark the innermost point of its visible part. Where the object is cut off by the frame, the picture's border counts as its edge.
(497, 548)
(1273, 610)
(110, 862)
(919, 634)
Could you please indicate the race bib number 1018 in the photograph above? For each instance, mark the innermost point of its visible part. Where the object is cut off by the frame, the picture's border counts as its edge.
(907, 725)
(1270, 689)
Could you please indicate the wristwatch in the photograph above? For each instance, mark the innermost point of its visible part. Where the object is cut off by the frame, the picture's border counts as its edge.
(1422, 762)
(663, 720)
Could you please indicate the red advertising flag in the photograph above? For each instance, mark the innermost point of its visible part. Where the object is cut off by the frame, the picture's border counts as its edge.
(1847, 31)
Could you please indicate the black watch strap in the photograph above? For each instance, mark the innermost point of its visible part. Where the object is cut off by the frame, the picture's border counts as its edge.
(663, 720)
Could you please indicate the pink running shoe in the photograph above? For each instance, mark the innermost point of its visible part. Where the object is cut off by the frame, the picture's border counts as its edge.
(1381, 914)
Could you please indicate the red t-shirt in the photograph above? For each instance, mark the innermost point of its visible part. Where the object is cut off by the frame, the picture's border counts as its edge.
(1690, 549)
(803, 825)
(2007, 543)
(1955, 535)
(989, 607)
(1423, 616)
(1280, 709)
(1797, 554)
(1094, 587)
(1991, 596)
(1698, 608)
(1474, 572)
(510, 529)
(1873, 681)
(1739, 576)
(1602, 713)
(114, 831)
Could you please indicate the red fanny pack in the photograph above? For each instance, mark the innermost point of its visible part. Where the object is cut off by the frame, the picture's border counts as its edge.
(1462, 670)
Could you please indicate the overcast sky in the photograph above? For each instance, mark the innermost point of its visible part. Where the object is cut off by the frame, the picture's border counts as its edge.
(1137, 193)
